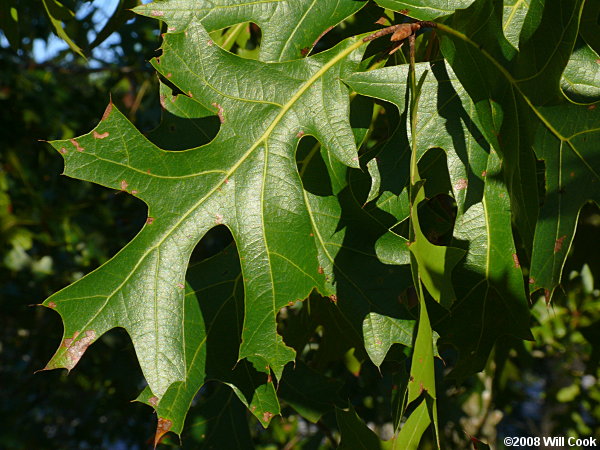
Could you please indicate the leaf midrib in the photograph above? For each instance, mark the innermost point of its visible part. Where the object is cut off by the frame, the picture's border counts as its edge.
(286, 107)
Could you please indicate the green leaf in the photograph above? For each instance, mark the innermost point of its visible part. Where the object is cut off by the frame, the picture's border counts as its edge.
(345, 231)
(425, 9)
(354, 433)
(214, 310)
(514, 91)
(581, 78)
(297, 28)
(570, 150)
(185, 123)
(513, 18)
(390, 84)
(412, 430)
(57, 13)
(489, 283)
(491, 300)
(589, 27)
(381, 332)
(354, 274)
(245, 178)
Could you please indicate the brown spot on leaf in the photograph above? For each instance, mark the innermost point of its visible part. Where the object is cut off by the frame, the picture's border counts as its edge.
(51, 305)
(148, 171)
(101, 135)
(547, 296)
(63, 151)
(180, 285)
(559, 243)
(404, 11)
(169, 75)
(382, 21)
(592, 107)
(171, 28)
(300, 134)
(333, 298)
(218, 219)
(484, 173)
(531, 281)
(311, 235)
(107, 111)
(219, 112)
(153, 401)
(190, 95)
(253, 408)
(305, 51)
(78, 147)
(76, 348)
(320, 270)
(134, 192)
(516, 260)
(267, 416)
(209, 43)
(163, 101)
(124, 185)
(461, 184)
(269, 378)
(290, 303)
(163, 426)
(68, 341)
(157, 13)
(150, 220)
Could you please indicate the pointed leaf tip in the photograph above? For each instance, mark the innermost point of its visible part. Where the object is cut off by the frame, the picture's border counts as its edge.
(108, 110)
(71, 350)
(163, 427)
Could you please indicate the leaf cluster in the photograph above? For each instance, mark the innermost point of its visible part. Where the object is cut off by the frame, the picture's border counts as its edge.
(370, 202)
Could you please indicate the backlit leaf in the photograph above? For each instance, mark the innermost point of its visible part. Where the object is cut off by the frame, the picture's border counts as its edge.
(299, 24)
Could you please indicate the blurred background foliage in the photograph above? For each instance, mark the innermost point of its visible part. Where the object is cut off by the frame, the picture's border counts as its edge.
(54, 230)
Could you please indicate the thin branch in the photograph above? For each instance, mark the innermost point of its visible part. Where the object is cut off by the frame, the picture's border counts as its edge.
(400, 31)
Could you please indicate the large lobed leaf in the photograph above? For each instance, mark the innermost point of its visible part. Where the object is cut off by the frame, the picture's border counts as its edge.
(294, 235)
(518, 101)
(488, 282)
(246, 178)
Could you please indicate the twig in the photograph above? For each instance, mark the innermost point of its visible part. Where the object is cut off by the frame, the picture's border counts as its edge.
(400, 31)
